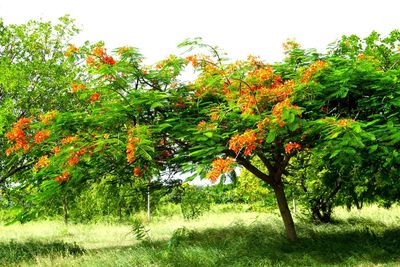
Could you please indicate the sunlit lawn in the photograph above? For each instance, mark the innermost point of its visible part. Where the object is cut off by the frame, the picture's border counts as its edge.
(370, 237)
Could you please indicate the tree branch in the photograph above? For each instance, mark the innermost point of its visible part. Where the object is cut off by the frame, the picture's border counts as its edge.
(253, 169)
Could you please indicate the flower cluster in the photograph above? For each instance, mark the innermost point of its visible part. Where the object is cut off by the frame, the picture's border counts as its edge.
(41, 135)
(75, 87)
(56, 150)
(247, 140)
(18, 135)
(345, 122)
(220, 166)
(42, 162)
(74, 157)
(48, 117)
(260, 75)
(62, 178)
(71, 49)
(193, 60)
(279, 107)
(130, 147)
(136, 171)
(214, 116)
(291, 146)
(201, 125)
(69, 140)
(279, 90)
(101, 53)
(311, 70)
(94, 97)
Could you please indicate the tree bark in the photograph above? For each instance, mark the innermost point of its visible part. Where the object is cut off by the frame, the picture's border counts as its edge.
(65, 209)
(285, 211)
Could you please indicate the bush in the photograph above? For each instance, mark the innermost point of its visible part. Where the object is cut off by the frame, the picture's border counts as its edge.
(195, 201)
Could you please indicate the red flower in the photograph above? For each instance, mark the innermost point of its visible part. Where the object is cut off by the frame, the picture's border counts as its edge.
(94, 97)
(136, 171)
(41, 135)
(56, 150)
(289, 147)
(130, 147)
(62, 178)
(108, 60)
(68, 140)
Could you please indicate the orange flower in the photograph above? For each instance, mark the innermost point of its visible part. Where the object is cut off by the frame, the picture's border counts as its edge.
(18, 135)
(311, 70)
(193, 60)
(48, 117)
(73, 159)
(220, 166)
(122, 50)
(94, 97)
(136, 171)
(41, 135)
(62, 178)
(99, 51)
(214, 116)
(69, 140)
(345, 122)
(90, 60)
(56, 150)
(130, 147)
(289, 147)
(42, 162)
(279, 107)
(77, 87)
(22, 123)
(246, 140)
(201, 125)
(10, 150)
(71, 49)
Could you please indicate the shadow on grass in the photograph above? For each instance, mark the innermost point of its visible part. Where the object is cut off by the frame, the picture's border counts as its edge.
(258, 244)
(265, 245)
(14, 252)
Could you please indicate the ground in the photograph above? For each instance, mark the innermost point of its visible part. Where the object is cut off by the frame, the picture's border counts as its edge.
(370, 237)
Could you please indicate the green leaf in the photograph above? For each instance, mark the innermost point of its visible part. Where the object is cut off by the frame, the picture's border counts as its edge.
(208, 134)
(270, 137)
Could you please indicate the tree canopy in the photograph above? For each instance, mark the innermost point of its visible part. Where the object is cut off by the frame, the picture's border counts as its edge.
(87, 114)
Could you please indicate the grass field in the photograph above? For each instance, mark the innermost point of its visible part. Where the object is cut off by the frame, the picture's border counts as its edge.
(370, 237)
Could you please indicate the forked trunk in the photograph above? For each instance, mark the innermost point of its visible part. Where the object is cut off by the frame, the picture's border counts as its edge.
(285, 211)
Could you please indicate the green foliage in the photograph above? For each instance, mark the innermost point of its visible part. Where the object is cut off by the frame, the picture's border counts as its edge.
(118, 120)
(139, 231)
(194, 202)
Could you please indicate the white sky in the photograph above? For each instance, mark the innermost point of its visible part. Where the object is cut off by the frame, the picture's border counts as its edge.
(239, 27)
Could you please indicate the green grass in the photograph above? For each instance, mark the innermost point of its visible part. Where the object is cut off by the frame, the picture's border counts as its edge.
(370, 237)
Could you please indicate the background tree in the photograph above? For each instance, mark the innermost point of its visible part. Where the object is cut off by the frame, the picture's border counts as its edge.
(34, 80)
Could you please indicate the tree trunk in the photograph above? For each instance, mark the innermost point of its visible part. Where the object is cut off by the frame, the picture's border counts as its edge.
(321, 211)
(65, 209)
(148, 201)
(285, 211)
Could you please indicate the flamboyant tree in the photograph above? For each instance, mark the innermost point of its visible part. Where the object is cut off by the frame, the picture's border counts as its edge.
(238, 111)
(136, 120)
(109, 133)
